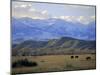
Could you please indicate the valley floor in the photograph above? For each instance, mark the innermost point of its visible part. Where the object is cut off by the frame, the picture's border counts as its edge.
(51, 63)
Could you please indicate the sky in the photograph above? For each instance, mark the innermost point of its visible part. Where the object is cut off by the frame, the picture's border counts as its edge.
(73, 13)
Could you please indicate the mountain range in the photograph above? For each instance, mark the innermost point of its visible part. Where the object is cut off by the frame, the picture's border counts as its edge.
(36, 29)
(52, 36)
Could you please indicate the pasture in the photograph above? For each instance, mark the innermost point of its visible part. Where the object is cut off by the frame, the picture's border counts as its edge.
(52, 63)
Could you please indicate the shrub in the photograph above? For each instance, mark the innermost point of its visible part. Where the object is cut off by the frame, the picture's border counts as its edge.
(24, 63)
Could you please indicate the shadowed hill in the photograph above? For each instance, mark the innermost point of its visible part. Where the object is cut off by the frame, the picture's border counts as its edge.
(64, 45)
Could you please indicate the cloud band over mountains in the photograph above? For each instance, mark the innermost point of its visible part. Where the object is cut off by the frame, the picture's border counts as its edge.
(73, 13)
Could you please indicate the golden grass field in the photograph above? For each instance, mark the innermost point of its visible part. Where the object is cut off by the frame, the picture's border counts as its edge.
(48, 63)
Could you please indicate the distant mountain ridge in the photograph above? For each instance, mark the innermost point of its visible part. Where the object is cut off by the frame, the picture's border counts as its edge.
(27, 28)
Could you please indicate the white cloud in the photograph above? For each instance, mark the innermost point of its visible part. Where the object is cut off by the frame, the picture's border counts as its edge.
(81, 19)
(26, 9)
(67, 18)
(93, 17)
(86, 19)
(34, 17)
(32, 9)
(23, 6)
(44, 12)
(23, 9)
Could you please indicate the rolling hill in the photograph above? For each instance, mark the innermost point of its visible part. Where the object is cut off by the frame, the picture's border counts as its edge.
(64, 45)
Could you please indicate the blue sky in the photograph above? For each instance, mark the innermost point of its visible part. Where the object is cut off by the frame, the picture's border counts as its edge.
(74, 13)
(70, 10)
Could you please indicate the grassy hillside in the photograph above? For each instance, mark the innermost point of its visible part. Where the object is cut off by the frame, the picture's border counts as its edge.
(64, 45)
